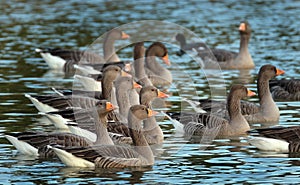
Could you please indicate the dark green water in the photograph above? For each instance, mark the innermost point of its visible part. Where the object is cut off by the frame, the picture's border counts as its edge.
(26, 25)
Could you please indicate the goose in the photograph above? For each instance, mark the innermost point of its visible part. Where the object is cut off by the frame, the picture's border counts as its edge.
(91, 81)
(229, 59)
(50, 103)
(278, 139)
(288, 90)
(65, 59)
(112, 156)
(84, 122)
(188, 46)
(158, 75)
(124, 87)
(198, 123)
(139, 65)
(60, 118)
(152, 131)
(34, 143)
(266, 111)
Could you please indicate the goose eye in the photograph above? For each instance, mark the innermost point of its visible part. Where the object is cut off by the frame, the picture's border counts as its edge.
(152, 89)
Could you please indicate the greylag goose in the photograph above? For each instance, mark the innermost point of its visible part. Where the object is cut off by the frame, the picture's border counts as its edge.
(188, 46)
(198, 123)
(49, 103)
(34, 143)
(139, 65)
(266, 111)
(288, 90)
(124, 87)
(279, 139)
(111, 156)
(65, 59)
(159, 75)
(152, 131)
(123, 84)
(229, 59)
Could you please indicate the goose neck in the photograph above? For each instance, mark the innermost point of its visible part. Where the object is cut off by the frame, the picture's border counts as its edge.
(244, 40)
(101, 130)
(107, 85)
(233, 106)
(264, 93)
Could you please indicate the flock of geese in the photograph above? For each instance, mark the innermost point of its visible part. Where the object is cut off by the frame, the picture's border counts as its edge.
(110, 124)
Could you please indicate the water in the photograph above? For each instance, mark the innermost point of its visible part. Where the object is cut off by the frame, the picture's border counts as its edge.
(76, 24)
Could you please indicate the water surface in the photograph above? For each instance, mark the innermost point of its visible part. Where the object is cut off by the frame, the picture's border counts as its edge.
(26, 25)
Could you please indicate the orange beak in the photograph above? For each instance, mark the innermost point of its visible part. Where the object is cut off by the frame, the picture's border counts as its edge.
(242, 27)
(124, 35)
(279, 72)
(151, 113)
(250, 93)
(166, 59)
(123, 73)
(161, 94)
(109, 106)
(136, 85)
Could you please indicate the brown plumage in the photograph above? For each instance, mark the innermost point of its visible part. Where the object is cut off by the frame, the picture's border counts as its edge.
(266, 111)
(229, 59)
(287, 90)
(40, 140)
(114, 156)
(158, 75)
(198, 123)
(72, 57)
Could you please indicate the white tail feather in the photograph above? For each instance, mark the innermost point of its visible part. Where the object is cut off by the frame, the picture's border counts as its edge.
(88, 83)
(70, 160)
(53, 62)
(194, 105)
(22, 146)
(39, 105)
(178, 126)
(82, 132)
(56, 91)
(38, 50)
(269, 144)
(58, 121)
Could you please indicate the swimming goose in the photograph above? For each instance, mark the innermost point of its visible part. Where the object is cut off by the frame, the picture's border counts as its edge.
(65, 59)
(113, 156)
(49, 103)
(34, 143)
(279, 139)
(188, 46)
(124, 87)
(158, 75)
(198, 123)
(139, 65)
(229, 59)
(288, 90)
(266, 111)
(152, 131)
